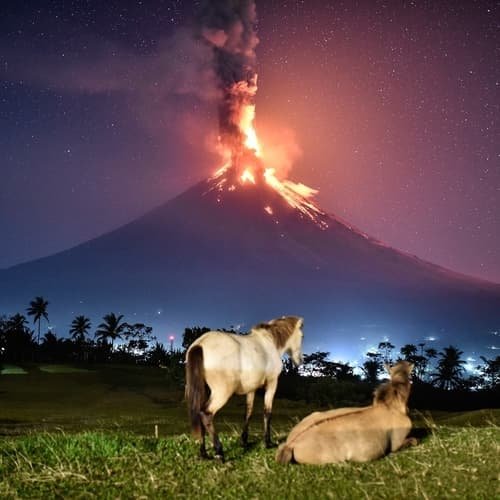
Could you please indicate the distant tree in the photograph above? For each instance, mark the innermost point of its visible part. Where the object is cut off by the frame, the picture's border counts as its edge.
(344, 371)
(3, 336)
(79, 330)
(110, 329)
(80, 327)
(17, 323)
(386, 348)
(157, 355)
(409, 352)
(449, 368)
(174, 367)
(191, 334)
(289, 367)
(17, 338)
(137, 339)
(38, 309)
(429, 354)
(490, 372)
(50, 346)
(372, 367)
(316, 364)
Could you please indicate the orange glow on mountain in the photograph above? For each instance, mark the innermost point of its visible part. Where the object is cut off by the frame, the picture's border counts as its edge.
(244, 160)
(247, 176)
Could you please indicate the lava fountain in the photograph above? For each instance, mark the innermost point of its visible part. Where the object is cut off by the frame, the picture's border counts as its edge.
(229, 27)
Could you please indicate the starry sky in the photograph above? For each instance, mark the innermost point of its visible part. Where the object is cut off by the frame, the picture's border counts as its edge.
(393, 106)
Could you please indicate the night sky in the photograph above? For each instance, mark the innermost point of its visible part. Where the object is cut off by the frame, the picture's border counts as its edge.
(392, 109)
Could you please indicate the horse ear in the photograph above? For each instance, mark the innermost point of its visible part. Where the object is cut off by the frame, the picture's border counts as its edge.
(388, 368)
(410, 367)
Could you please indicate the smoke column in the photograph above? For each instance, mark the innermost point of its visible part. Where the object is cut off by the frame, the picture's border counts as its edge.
(229, 28)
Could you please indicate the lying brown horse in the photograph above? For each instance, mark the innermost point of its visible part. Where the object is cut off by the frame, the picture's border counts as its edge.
(355, 434)
(238, 364)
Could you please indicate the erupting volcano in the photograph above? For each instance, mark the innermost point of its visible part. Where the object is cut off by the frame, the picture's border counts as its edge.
(230, 30)
(244, 166)
(248, 244)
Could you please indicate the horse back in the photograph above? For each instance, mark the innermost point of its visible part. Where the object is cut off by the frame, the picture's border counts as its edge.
(350, 434)
(241, 360)
(315, 419)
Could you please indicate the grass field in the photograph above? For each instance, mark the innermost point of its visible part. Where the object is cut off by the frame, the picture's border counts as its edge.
(90, 434)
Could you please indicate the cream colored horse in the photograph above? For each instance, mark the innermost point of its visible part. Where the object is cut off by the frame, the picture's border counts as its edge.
(238, 364)
(355, 434)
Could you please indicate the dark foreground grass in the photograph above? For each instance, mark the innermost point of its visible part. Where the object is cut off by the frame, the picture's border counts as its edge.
(449, 463)
(90, 434)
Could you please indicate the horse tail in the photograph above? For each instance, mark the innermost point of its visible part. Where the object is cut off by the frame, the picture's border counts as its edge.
(284, 455)
(196, 394)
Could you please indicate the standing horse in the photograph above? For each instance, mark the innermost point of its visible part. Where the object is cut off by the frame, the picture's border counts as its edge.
(355, 434)
(238, 364)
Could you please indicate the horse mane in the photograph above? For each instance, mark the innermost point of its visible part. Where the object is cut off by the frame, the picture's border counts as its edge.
(280, 329)
(397, 389)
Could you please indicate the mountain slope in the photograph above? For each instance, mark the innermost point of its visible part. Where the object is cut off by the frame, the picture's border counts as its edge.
(226, 257)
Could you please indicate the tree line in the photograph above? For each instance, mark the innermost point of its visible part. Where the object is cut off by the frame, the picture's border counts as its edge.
(443, 369)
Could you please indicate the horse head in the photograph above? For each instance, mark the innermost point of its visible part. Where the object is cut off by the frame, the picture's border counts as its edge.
(400, 372)
(290, 328)
(286, 333)
(294, 344)
(396, 391)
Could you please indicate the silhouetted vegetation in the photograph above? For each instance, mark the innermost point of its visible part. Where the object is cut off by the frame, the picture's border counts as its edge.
(38, 309)
(440, 378)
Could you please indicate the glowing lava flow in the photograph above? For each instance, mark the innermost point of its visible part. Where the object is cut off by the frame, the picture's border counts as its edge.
(244, 165)
(247, 176)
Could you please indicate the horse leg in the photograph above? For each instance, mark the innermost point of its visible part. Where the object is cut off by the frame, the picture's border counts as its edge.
(215, 403)
(248, 414)
(399, 439)
(203, 449)
(208, 422)
(268, 408)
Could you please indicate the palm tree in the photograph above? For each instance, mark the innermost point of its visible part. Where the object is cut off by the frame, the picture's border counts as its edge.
(449, 368)
(18, 337)
(111, 328)
(80, 326)
(408, 351)
(38, 309)
(17, 323)
(431, 353)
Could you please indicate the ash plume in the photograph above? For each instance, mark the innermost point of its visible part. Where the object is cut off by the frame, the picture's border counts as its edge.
(229, 28)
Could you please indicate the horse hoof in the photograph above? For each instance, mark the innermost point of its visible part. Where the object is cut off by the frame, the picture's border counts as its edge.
(220, 458)
(244, 440)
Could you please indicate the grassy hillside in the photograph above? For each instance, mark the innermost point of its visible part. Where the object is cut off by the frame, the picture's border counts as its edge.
(90, 434)
(450, 463)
